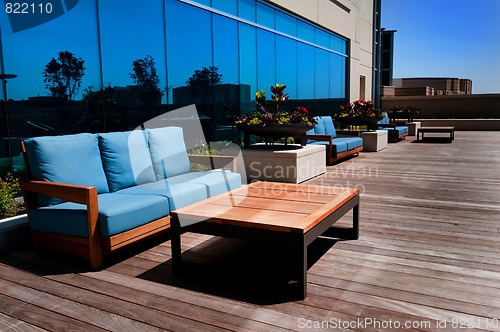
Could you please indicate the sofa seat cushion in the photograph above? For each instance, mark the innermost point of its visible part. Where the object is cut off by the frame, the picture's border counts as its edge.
(126, 159)
(168, 152)
(72, 159)
(178, 194)
(352, 142)
(117, 213)
(216, 181)
(337, 146)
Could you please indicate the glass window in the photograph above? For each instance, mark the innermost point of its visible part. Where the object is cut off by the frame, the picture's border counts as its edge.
(184, 57)
(230, 7)
(286, 24)
(246, 10)
(338, 44)
(322, 74)
(305, 72)
(305, 31)
(286, 64)
(42, 103)
(266, 57)
(338, 77)
(266, 15)
(248, 66)
(227, 92)
(322, 38)
(133, 61)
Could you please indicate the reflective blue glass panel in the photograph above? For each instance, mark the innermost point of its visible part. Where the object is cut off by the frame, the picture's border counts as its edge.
(286, 64)
(266, 59)
(286, 24)
(246, 10)
(248, 66)
(322, 74)
(230, 7)
(305, 72)
(266, 15)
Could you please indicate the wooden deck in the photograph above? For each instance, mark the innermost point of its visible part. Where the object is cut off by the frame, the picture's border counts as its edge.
(428, 254)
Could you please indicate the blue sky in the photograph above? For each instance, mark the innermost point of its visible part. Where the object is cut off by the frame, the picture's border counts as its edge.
(446, 38)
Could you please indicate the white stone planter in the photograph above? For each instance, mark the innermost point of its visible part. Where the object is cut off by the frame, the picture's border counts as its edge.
(14, 233)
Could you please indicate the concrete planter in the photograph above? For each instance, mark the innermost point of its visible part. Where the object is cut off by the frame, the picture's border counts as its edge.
(14, 233)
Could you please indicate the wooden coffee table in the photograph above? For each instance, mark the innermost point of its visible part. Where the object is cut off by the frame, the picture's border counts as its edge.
(293, 215)
(446, 130)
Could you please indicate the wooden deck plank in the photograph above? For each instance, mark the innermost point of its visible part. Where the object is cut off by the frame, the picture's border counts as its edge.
(428, 252)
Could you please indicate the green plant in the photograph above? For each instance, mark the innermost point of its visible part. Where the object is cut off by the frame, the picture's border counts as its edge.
(359, 108)
(275, 113)
(403, 109)
(9, 188)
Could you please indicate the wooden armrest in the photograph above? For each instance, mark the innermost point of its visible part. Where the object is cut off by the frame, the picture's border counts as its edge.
(64, 191)
(356, 133)
(324, 138)
(214, 161)
(78, 194)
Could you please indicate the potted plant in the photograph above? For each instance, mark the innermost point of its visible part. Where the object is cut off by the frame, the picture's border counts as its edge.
(403, 111)
(272, 120)
(359, 113)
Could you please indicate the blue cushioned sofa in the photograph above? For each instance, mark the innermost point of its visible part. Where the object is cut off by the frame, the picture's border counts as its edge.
(337, 148)
(90, 194)
(396, 132)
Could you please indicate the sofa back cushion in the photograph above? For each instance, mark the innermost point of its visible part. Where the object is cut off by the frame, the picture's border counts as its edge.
(319, 128)
(73, 159)
(168, 152)
(384, 120)
(324, 126)
(329, 127)
(126, 159)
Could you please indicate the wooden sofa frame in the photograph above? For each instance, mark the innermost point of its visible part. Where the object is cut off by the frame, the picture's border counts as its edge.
(334, 157)
(95, 247)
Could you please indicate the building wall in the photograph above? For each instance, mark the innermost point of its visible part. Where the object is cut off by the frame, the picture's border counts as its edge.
(474, 106)
(351, 19)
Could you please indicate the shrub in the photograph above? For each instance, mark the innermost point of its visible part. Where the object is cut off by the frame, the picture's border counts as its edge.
(9, 188)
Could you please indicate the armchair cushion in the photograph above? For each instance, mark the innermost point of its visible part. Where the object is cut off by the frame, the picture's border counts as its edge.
(72, 159)
(117, 213)
(168, 152)
(126, 159)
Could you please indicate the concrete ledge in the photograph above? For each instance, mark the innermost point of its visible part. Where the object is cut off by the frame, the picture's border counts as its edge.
(464, 124)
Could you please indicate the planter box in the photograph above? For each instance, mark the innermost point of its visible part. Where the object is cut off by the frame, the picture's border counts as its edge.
(14, 233)
(374, 141)
(292, 163)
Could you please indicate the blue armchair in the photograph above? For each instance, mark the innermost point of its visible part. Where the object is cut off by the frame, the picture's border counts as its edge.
(396, 131)
(337, 148)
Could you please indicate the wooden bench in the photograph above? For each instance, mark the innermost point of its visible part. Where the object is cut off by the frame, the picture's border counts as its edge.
(286, 214)
(446, 130)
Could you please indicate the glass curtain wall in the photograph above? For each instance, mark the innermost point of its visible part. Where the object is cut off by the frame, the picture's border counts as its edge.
(100, 65)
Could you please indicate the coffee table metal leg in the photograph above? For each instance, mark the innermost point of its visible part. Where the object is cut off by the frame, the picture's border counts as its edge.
(176, 250)
(355, 222)
(302, 271)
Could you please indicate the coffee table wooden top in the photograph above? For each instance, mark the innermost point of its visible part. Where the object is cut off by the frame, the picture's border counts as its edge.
(270, 205)
(437, 128)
